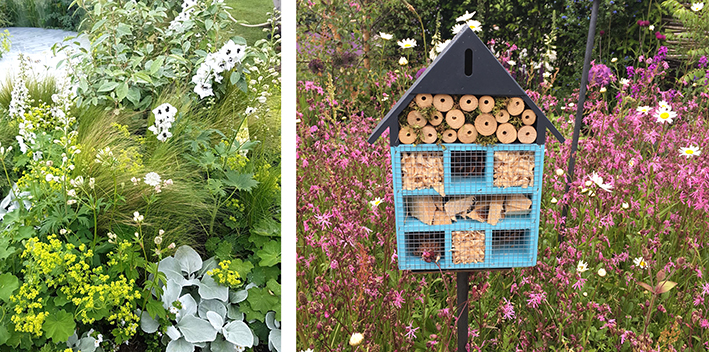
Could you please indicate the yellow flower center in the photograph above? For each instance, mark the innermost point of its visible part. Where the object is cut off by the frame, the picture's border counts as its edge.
(665, 115)
(690, 151)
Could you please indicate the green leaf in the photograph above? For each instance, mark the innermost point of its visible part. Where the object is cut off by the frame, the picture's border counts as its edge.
(123, 29)
(8, 284)
(133, 95)
(155, 308)
(262, 274)
(142, 77)
(646, 286)
(25, 232)
(208, 23)
(234, 77)
(238, 333)
(122, 91)
(664, 286)
(270, 254)
(107, 86)
(241, 267)
(210, 289)
(156, 65)
(242, 182)
(262, 300)
(59, 326)
(4, 335)
(274, 286)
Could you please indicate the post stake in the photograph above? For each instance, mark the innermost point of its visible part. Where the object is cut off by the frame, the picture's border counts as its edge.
(462, 287)
(579, 106)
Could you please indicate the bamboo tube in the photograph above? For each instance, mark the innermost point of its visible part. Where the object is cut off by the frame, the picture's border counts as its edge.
(424, 100)
(436, 118)
(502, 116)
(415, 119)
(486, 104)
(455, 118)
(485, 124)
(515, 106)
(429, 134)
(407, 135)
(528, 117)
(527, 134)
(443, 102)
(449, 136)
(467, 133)
(468, 102)
(506, 133)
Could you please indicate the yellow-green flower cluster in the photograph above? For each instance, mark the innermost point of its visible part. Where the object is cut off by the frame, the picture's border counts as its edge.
(237, 161)
(224, 275)
(28, 316)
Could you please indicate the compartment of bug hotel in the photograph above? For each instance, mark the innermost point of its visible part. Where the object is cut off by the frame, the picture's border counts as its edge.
(468, 247)
(428, 247)
(513, 169)
(422, 211)
(422, 170)
(445, 118)
(511, 243)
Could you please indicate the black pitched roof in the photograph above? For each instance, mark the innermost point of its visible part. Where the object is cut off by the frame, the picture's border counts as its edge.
(446, 75)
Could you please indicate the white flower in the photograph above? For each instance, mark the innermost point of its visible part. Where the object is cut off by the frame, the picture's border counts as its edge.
(602, 90)
(475, 25)
(164, 110)
(92, 182)
(511, 63)
(624, 82)
(601, 272)
(457, 28)
(441, 46)
(261, 99)
(690, 151)
(403, 61)
(697, 6)
(71, 201)
(249, 110)
(614, 59)
(559, 172)
(164, 135)
(152, 179)
(374, 203)
(643, 109)
(157, 240)
(386, 36)
(356, 339)
(546, 74)
(652, 27)
(554, 200)
(640, 261)
(49, 178)
(598, 180)
(664, 105)
(665, 115)
(582, 266)
(71, 193)
(407, 43)
(137, 217)
(203, 90)
(465, 16)
(625, 205)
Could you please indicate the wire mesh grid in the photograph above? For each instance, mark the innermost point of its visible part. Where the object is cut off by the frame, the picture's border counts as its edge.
(450, 212)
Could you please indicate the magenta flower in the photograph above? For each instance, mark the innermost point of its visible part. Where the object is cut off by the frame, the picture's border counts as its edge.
(508, 310)
(410, 332)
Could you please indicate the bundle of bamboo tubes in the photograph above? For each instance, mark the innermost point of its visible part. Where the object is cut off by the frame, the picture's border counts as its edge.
(467, 119)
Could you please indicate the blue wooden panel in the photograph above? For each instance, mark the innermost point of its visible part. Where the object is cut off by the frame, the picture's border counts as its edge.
(512, 242)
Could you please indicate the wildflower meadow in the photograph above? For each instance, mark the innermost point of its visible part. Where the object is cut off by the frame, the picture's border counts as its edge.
(625, 270)
(140, 188)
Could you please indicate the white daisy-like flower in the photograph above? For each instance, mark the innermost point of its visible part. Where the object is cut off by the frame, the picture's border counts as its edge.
(690, 151)
(546, 74)
(664, 105)
(601, 272)
(665, 115)
(582, 266)
(403, 61)
(625, 205)
(624, 82)
(386, 36)
(554, 200)
(407, 43)
(152, 179)
(511, 63)
(598, 180)
(457, 28)
(640, 261)
(475, 25)
(443, 45)
(465, 17)
(697, 6)
(644, 109)
(375, 203)
(651, 28)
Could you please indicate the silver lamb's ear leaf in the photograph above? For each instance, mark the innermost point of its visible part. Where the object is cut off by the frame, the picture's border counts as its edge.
(189, 307)
(210, 289)
(270, 318)
(234, 314)
(215, 319)
(221, 345)
(189, 259)
(172, 270)
(171, 293)
(214, 305)
(87, 344)
(73, 339)
(274, 340)
(196, 330)
(241, 295)
(147, 323)
(208, 265)
(173, 333)
(238, 333)
(180, 345)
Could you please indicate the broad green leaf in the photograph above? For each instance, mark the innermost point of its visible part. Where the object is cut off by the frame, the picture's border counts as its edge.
(59, 326)
(133, 95)
(241, 267)
(122, 91)
(238, 333)
(98, 25)
(274, 286)
(234, 77)
(156, 65)
(664, 286)
(196, 330)
(251, 314)
(87, 344)
(25, 232)
(210, 289)
(107, 86)
(242, 182)
(4, 335)
(142, 77)
(646, 286)
(234, 314)
(208, 23)
(262, 300)
(270, 254)
(123, 29)
(8, 284)
(189, 259)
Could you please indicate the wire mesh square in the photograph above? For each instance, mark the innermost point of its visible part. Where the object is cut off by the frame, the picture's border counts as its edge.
(468, 247)
(422, 170)
(510, 243)
(467, 165)
(425, 247)
(514, 169)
